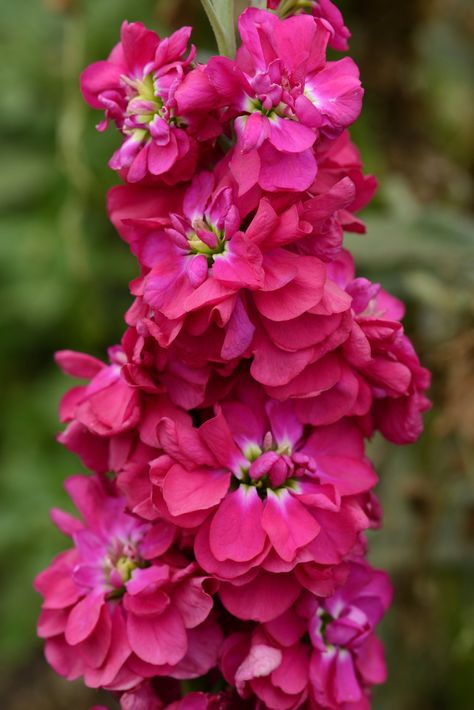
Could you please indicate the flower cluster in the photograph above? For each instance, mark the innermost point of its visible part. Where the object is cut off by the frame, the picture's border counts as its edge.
(222, 531)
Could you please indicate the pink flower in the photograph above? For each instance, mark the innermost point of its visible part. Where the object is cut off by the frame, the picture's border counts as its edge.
(325, 10)
(250, 293)
(262, 669)
(393, 371)
(347, 657)
(282, 94)
(322, 652)
(136, 88)
(264, 495)
(113, 419)
(123, 604)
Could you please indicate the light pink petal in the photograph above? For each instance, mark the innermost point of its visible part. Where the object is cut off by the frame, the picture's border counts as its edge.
(261, 661)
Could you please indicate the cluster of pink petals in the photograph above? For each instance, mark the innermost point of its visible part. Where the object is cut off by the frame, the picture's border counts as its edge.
(325, 10)
(335, 670)
(138, 88)
(281, 95)
(222, 539)
(125, 603)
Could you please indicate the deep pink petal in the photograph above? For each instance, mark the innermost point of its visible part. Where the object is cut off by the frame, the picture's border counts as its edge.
(200, 489)
(287, 523)
(263, 599)
(84, 617)
(236, 531)
(158, 640)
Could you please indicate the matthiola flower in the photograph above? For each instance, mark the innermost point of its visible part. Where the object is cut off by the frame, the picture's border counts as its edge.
(393, 371)
(265, 495)
(324, 9)
(123, 604)
(136, 88)
(321, 654)
(250, 294)
(282, 94)
(347, 658)
(114, 417)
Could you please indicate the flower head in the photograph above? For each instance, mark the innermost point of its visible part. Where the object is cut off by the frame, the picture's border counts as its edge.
(323, 651)
(282, 95)
(136, 88)
(265, 494)
(113, 601)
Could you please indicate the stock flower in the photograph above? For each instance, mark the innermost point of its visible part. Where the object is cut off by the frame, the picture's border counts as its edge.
(249, 293)
(393, 371)
(282, 94)
(136, 88)
(325, 10)
(263, 493)
(322, 652)
(347, 658)
(123, 604)
(223, 533)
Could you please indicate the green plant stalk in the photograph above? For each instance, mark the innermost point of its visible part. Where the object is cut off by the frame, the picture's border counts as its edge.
(221, 17)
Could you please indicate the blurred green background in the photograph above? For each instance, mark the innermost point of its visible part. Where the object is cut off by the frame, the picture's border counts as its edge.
(63, 284)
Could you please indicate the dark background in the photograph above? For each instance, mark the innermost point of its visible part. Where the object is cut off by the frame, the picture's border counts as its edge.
(63, 283)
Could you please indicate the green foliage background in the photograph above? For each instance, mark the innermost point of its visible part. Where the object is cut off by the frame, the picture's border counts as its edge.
(63, 284)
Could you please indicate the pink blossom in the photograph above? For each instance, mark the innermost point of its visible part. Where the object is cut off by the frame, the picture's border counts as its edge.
(393, 371)
(250, 294)
(333, 666)
(282, 94)
(325, 10)
(347, 657)
(123, 604)
(114, 417)
(292, 497)
(136, 88)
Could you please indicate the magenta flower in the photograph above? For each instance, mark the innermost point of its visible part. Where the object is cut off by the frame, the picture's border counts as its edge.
(136, 88)
(325, 10)
(123, 603)
(322, 652)
(393, 371)
(252, 470)
(223, 534)
(282, 94)
(347, 657)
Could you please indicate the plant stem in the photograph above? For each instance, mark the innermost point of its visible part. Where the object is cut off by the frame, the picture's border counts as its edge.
(221, 17)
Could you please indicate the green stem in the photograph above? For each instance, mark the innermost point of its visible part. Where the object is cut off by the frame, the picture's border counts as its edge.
(221, 17)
